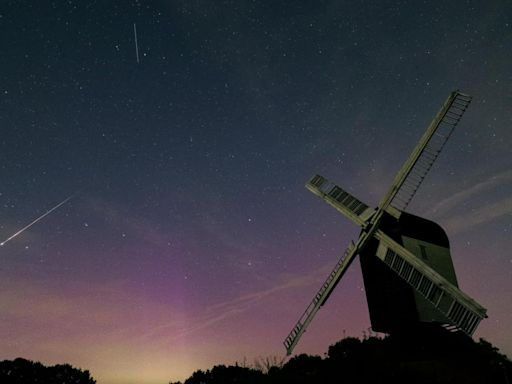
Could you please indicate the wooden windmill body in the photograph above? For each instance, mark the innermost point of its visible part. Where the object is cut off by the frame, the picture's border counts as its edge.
(405, 259)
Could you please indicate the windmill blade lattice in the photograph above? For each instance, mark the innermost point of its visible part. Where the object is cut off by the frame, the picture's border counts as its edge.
(414, 170)
(462, 311)
(340, 199)
(320, 298)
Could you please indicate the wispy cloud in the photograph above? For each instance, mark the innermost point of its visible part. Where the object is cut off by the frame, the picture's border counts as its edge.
(101, 308)
(458, 198)
(120, 217)
(222, 311)
(466, 221)
(455, 221)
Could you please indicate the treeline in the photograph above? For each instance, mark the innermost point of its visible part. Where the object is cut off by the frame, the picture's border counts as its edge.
(21, 371)
(433, 357)
(437, 357)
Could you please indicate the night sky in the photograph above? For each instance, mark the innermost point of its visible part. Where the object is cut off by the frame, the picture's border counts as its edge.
(190, 239)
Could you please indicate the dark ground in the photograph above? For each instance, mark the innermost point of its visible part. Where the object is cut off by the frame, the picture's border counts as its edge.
(435, 356)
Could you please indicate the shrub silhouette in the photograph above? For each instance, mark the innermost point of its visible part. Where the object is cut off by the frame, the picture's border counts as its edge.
(220, 374)
(21, 371)
(433, 356)
(427, 356)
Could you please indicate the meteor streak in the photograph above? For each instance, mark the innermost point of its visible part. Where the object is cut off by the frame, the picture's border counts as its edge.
(136, 44)
(36, 220)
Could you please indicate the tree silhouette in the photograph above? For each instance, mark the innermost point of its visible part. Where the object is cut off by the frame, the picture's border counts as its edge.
(430, 355)
(220, 374)
(21, 371)
(265, 364)
(300, 369)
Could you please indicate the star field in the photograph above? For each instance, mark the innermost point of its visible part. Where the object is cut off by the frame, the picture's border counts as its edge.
(191, 239)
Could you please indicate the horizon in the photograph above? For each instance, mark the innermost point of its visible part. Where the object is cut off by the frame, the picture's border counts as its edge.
(190, 239)
(484, 354)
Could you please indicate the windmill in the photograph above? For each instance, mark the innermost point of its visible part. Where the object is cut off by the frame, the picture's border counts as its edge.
(405, 259)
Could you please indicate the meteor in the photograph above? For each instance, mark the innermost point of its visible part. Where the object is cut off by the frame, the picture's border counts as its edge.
(136, 44)
(36, 220)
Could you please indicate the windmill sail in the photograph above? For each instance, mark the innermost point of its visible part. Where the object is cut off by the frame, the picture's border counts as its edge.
(320, 298)
(462, 311)
(340, 199)
(414, 170)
